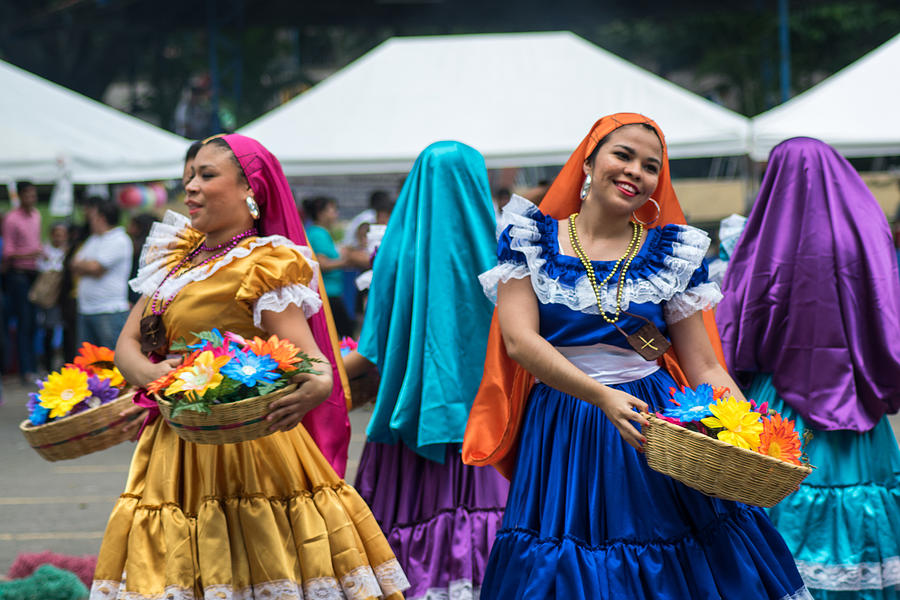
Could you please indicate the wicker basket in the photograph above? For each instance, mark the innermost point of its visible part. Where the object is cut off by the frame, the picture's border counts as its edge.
(89, 431)
(226, 423)
(717, 468)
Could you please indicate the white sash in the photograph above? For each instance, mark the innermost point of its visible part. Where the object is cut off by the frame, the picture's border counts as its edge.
(609, 364)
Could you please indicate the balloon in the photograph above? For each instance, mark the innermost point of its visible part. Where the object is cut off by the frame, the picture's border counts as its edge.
(130, 196)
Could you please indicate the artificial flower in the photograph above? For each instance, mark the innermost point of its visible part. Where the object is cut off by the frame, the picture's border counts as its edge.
(208, 340)
(39, 415)
(235, 338)
(102, 389)
(63, 390)
(200, 376)
(250, 369)
(282, 352)
(721, 391)
(779, 439)
(348, 345)
(741, 424)
(98, 360)
(690, 405)
(659, 415)
(154, 387)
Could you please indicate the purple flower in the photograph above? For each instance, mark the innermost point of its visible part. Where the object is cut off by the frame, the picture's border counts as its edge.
(101, 390)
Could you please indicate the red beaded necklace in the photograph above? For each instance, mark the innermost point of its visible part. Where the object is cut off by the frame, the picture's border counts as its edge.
(153, 332)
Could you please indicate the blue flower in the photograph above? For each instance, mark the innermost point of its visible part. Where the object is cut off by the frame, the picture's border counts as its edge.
(39, 415)
(690, 405)
(251, 369)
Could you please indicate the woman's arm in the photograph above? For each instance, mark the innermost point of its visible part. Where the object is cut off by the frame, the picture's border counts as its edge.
(287, 411)
(696, 355)
(137, 369)
(517, 309)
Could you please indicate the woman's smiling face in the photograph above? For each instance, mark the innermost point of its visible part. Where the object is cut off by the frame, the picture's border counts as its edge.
(625, 169)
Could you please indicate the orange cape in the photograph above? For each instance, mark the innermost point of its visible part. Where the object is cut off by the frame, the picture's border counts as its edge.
(493, 428)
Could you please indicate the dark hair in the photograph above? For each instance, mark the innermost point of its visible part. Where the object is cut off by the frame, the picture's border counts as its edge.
(21, 186)
(106, 208)
(314, 206)
(605, 138)
(221, 143)
(380, 201)
(192, 150)
(143, 222)
(502, 192)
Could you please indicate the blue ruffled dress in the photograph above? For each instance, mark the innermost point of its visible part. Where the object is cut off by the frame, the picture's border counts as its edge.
(843, 524)
(586, 517)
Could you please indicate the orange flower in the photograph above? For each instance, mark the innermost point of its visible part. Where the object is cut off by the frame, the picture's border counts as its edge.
(779, 439)
(721, 392)
(282, 351)
(99, 361)
(166, 380)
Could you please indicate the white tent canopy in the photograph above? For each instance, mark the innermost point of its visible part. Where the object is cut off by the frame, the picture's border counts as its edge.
(854, 110)
(523, 99)
(47, 129)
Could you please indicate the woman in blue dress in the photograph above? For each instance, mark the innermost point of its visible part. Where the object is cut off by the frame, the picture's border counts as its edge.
(816, 258)
(586, 517)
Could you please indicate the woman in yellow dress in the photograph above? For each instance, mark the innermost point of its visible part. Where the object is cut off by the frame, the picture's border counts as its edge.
(267, 518)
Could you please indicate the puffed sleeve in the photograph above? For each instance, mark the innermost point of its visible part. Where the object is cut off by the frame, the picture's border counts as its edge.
(282, 274)
(520, 245)
(700, 294)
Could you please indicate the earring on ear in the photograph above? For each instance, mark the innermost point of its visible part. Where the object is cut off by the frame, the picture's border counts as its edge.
(586, 187)
(253, 207)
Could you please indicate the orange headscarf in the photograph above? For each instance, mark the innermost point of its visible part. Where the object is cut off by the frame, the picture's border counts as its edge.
(493, 426)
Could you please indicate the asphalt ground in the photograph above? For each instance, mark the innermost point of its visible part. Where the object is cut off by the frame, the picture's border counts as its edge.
(63, 506)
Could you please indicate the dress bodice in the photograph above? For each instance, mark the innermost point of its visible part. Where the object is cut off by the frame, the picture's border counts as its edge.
(666, 281)
(230, 293)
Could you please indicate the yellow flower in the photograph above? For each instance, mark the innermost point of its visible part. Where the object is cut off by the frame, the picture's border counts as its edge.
(741, 423)
(199, 376)
(63, 390)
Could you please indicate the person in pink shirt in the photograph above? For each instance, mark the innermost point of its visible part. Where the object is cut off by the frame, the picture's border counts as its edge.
(21, 249)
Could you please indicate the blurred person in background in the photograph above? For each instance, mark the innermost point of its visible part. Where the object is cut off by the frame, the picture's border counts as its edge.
(322, 213)
(49, 298)
(426, 331)
(138, 230)
(22, 248)
(103, 266)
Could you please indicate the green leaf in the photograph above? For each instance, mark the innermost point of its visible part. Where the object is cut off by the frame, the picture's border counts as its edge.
(200, 406)
(179, 345)
(207, 336)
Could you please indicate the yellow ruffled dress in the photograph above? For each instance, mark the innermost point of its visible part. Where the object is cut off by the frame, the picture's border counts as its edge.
(266, 519)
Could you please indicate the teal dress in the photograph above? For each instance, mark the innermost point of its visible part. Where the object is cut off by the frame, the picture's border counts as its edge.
(849, 507)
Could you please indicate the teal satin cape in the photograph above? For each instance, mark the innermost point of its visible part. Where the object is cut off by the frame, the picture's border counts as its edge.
(427, 319)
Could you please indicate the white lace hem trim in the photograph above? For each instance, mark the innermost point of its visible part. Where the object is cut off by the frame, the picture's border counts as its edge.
(801, 594)
(841, 578)
(683, 304)
(280, 299)
(360, 583)
(678, 267)
(462, 589)
(165, 234)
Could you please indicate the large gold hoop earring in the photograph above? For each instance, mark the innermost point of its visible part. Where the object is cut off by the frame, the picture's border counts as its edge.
(652, 221)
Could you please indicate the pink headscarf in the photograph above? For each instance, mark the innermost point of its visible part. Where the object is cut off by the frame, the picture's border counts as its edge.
(328, 423)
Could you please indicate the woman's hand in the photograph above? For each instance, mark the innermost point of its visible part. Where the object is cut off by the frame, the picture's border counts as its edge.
(286, 412)
(149, 372)
(619, 409)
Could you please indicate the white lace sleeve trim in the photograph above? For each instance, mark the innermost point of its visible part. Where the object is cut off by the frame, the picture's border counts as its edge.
(280, 299)
(686, 256)
(683, 304)
(155, 264)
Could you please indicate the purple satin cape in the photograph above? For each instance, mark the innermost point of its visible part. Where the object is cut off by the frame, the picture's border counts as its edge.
(812, 293)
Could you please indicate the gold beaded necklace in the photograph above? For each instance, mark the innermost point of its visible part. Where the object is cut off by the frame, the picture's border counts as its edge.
(630, 253)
